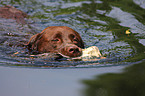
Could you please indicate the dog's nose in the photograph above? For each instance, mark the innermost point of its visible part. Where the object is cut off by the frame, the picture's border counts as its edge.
(71, 51)
(74, 50)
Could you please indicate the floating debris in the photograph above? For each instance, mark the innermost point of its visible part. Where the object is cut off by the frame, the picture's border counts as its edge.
(127, 32)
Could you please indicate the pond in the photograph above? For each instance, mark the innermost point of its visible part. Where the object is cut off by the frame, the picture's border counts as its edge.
(116, 27)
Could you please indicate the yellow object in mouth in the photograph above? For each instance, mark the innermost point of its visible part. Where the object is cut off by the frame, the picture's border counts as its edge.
(92, 51)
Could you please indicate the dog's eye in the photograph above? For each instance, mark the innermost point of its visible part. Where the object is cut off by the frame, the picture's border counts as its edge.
(55, 40)
(75, 39)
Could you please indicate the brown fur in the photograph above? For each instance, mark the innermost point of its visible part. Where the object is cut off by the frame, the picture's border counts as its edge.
(57, 39)
(10, 12)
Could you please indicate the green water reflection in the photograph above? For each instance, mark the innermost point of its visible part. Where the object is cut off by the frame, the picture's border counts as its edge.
(128, 83)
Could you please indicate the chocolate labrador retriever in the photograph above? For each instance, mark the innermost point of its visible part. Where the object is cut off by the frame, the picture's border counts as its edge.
(61, 40)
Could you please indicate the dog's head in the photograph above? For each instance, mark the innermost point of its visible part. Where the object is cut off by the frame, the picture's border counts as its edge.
(57, 39)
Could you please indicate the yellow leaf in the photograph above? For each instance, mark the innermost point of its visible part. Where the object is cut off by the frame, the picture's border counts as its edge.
(127, 32)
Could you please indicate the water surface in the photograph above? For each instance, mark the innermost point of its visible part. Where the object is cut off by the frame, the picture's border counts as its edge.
(101, 23)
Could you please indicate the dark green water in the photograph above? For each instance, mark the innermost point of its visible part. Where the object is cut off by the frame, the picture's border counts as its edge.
(101, 23)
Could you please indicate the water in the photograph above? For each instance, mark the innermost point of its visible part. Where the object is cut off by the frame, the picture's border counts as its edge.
(47, 82)
(101, 23)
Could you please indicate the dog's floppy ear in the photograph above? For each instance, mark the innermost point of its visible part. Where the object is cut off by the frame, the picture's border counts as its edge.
(33, 42)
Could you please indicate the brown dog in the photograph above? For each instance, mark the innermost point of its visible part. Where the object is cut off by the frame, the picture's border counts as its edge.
(10, 12)
(57, 39)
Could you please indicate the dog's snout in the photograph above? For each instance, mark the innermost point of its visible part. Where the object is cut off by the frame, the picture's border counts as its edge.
(73, 50)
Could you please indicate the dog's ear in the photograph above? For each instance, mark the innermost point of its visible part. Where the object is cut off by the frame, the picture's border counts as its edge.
(33, 42)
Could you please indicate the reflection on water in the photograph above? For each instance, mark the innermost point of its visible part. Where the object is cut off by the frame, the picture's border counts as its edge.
(129, 83)
(100, 23)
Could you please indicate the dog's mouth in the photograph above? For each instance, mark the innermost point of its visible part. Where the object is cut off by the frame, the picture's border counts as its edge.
(92, 53)
(70, 58)
(70, 51)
